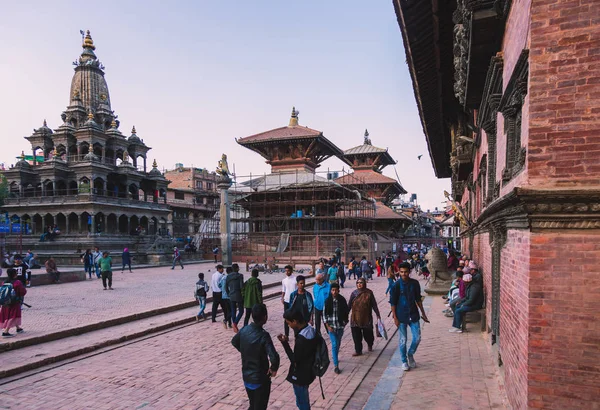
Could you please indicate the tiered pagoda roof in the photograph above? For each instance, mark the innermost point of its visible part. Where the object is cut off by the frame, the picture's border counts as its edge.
(368, 161)
(293, 147)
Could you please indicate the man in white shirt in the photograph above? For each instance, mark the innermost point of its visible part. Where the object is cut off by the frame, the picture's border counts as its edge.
(217, 292)
(288, 285)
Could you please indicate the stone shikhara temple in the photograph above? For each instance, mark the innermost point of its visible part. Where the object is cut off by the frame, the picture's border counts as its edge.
(508, 93)
(86, 177)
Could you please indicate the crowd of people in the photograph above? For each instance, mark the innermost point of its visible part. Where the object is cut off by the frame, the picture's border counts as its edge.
(466, 293)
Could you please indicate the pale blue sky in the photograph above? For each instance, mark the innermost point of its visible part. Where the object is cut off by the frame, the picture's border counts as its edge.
(194, 75)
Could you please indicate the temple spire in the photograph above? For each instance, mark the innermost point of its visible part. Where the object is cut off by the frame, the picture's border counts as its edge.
(88, 42)
(367, 139)
(294, 117)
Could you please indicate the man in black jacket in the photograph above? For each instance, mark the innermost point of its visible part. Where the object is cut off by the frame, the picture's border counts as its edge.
(473, 300)
(302, 358)
(256, 347)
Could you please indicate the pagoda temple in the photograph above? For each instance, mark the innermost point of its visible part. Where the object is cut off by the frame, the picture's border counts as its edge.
(85, 177)
(293, 209)
(367, 162)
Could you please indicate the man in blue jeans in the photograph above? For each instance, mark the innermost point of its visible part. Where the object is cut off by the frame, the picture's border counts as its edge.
(336, 317)
(406, 302)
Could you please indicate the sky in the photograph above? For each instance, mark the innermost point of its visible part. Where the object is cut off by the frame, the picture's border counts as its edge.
(194, 75)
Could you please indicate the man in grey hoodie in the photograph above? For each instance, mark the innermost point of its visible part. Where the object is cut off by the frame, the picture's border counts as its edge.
(234, 283)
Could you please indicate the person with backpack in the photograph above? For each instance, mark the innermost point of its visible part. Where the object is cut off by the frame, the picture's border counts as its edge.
(88, 262)
(200, 294)
(252, 292)
(256, 347)
(12, 293)
(176, 258)
(126, 259)
(336, 318)
(301, 373)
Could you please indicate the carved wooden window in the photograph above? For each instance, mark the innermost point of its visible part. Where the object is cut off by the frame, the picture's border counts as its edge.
(511, 107)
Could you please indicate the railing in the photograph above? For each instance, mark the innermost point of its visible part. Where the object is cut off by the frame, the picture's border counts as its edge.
(75, 199)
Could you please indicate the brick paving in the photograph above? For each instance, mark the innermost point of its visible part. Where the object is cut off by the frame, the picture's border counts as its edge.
(75, 304)
(191, 367)
(455, 371)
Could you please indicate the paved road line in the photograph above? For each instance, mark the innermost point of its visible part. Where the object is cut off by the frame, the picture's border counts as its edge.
(391, 380)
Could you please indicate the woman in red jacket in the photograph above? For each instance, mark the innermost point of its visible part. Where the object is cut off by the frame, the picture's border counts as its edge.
(10, 315)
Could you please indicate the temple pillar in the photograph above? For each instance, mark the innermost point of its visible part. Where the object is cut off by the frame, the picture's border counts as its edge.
(224, 183)
(67, 227)
(103, 153)
(128, 225)
(145, 164)
(93, 228)
(34, 158)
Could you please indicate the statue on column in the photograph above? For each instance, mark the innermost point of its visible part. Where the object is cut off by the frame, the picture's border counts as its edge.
(223, 168)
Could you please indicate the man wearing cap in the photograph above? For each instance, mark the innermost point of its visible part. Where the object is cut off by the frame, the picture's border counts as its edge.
(473, 298)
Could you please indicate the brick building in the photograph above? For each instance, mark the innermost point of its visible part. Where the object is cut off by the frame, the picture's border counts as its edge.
(193, 199)
(509, 93)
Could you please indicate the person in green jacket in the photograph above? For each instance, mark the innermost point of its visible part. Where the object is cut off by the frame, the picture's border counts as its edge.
(105, 263)
(252, 293)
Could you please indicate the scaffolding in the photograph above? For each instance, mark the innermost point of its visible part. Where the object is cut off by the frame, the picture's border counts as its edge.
(296, 216)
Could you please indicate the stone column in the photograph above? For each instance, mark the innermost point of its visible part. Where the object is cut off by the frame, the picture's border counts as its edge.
(224, 183)
(145, 164)
(93, 228)
(34, 158)
(128, 225)
(79, 223)
(67, 228)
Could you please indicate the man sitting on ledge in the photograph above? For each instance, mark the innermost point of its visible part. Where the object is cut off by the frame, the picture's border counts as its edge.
(52, 270)
(473, 300)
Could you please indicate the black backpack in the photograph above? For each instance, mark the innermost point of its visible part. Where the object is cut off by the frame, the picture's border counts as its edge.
(321, 363)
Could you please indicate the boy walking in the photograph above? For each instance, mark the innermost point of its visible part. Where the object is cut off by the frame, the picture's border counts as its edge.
(256, 347)
(201, 292)
(336, 318)
(176, 258)
(302, 301)
(301, 373)
(288, 285)
(252, 292)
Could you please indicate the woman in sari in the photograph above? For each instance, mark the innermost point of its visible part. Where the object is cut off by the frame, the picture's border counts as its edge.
(362, 303)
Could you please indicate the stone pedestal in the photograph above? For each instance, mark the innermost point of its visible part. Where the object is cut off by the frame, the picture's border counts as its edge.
(438, 287)
(224, 183)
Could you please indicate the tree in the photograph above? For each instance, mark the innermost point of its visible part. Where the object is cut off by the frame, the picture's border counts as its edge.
(3, 188)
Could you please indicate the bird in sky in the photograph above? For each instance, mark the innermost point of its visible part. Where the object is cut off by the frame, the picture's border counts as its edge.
(419, 157)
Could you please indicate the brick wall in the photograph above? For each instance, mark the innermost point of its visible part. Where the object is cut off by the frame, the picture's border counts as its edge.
(516, 38)
(564, 86)
(564, 355)
(514, 315)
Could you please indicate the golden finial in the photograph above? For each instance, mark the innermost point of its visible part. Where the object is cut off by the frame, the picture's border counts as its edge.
(154, 164)
(294, 117)
(88, 42)
(22, 155)
(45, 125)
(133, 131)
(55, 152)
(113, 124)
(90, 115)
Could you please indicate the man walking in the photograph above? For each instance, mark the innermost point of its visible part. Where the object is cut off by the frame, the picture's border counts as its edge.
(234, 284)
(302, 358)
(288, 285)
(301, 300)
(253, 294)
(216, 252)
(336, 317)
(405, 298)
(321, 292)
(176, 258)
(105, 263)
(97, 255)
(217, 294)
(256, 347)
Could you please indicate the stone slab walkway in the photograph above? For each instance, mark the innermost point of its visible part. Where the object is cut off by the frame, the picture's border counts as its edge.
(193, 367)
(71, 305)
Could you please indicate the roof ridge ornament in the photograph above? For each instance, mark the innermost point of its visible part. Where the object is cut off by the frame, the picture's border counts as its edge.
(133, 132)
(294, 118)
(367, 139)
